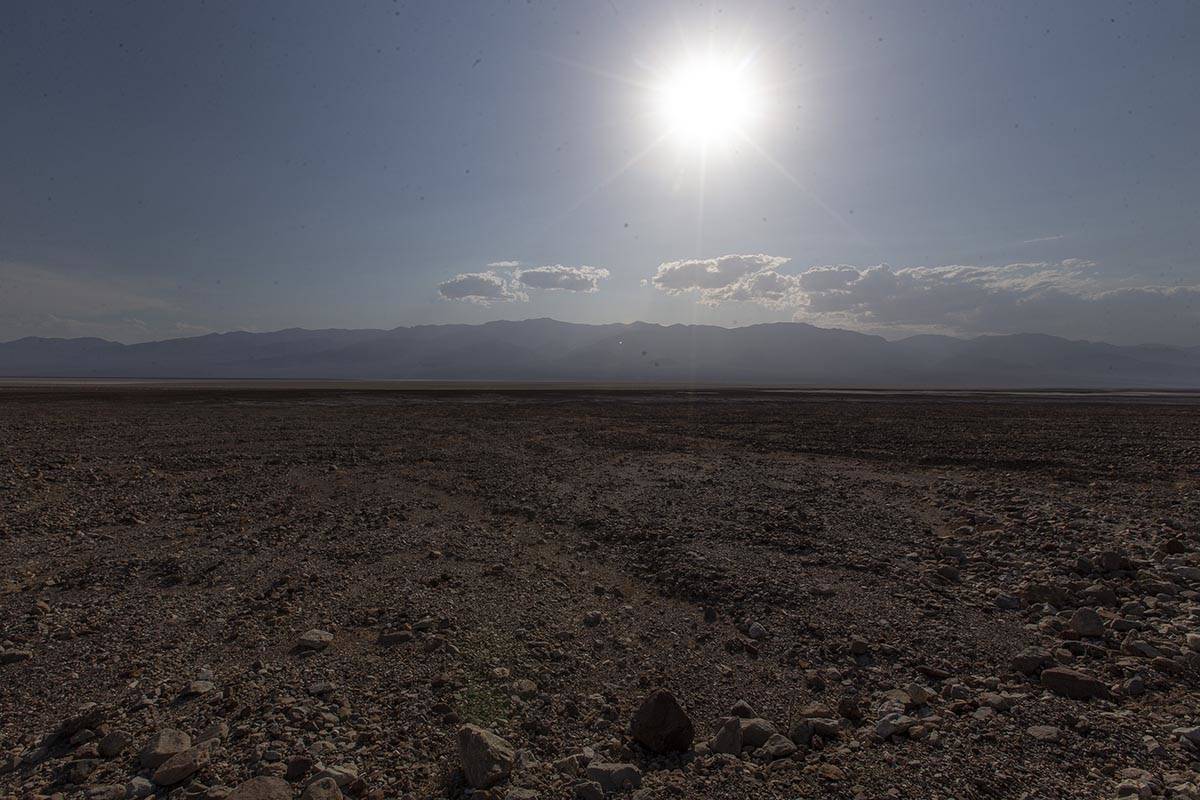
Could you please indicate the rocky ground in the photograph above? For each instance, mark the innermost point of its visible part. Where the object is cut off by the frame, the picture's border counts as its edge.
(259, 595)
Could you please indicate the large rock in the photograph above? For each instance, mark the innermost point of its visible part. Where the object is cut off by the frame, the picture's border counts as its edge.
(89, 716)
(1032, 661)
(113, 744)
(778, 746)
(181, 766)
(262, 788)
(661, 725)
(139, 787)
(1074, 684)
(729, 738)
(756, 732)
(344, 775)
(742, 709)
(1192, 734)
(486, 758)
(615, 777)
(316, 639)
(1054, 594)
(892, 724)
(163, 745)
(1086, 622)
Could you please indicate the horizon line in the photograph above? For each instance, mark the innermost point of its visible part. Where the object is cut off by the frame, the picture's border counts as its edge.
(236, 331)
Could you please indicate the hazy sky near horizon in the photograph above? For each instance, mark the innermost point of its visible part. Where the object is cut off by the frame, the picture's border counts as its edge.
(179, 168)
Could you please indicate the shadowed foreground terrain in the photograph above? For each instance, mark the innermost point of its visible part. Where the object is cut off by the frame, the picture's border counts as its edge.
(900, 597)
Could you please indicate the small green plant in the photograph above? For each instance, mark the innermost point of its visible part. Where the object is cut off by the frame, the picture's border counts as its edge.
(482, 703)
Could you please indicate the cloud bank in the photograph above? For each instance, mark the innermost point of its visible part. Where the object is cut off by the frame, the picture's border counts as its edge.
(1067, 298)
(505, 281)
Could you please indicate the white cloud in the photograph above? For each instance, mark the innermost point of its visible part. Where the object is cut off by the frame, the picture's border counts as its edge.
(720, 279)
(1067, 298)
(938, 295)
(504, 281)
(558, 277)
(819, 279)
(766, 287)
(483, 288)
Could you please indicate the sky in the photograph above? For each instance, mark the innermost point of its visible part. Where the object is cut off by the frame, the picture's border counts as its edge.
(174, 169)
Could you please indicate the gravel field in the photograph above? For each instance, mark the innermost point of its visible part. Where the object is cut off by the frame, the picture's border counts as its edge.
(275, 593)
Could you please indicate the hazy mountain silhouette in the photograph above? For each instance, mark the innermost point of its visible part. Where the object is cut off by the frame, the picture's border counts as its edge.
(545, 349)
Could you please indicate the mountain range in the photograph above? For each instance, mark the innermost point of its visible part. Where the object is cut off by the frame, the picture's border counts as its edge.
(792, 354)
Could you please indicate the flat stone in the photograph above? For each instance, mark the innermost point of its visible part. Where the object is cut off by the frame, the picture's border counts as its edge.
(262, 787)
(1044, 733)
(778, 746)
(893, 724)
(1074, 684)
(162, 746)
(316, 639)
(181, 766)
(831, 772)
(1032, 661)
(344, 775)
(615, 777)
(389, 638)
(812, 710)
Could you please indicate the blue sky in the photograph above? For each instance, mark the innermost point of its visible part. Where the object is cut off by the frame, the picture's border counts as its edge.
(172, 169)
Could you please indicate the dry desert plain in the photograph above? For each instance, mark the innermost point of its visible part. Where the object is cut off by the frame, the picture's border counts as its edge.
(328, 590)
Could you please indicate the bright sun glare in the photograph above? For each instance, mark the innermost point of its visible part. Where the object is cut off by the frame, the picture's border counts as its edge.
(708, 101)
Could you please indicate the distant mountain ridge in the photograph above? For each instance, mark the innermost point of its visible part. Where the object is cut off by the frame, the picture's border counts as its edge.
(786, 354)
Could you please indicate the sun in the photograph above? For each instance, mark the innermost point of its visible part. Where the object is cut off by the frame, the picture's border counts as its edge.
(708, 101)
